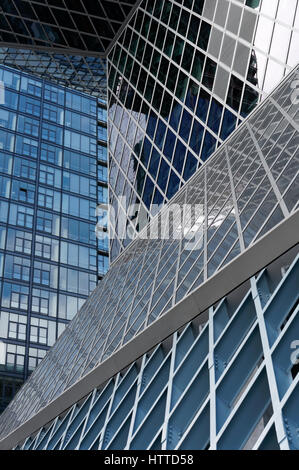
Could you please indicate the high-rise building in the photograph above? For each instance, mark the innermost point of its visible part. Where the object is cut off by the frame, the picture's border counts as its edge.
(190, 341)
(53, 171)
(182, 76)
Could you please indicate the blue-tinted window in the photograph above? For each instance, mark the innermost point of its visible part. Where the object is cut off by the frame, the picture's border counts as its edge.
(203, 105)
(26, 146)
(208, 146)
(7, 141)
(190, 167)
(228, 124)
(215, 116)
(10, 79)
(196, 136)
(29, 105)
(31, 86)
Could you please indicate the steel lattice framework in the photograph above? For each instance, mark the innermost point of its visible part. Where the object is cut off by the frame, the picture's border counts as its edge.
(223, 382)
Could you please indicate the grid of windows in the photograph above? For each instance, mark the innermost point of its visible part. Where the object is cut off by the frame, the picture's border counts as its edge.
(182, 76)
(48, 198)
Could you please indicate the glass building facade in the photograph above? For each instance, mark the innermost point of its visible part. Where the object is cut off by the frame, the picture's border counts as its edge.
(53, 172)
(182, 76)
(179, 346)
(251, 190)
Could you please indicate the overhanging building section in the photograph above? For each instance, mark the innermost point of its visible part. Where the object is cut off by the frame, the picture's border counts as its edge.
(182, 76)
(66, 42)
(247, 190)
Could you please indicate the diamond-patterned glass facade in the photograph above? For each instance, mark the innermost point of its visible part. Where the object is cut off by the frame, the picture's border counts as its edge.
(210, 387)
(182, 76)
(248, 187)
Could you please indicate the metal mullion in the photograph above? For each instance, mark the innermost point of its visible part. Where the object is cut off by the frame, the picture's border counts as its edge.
(112, 326)
(269, 367)
(212, 381)
(135, 405)
(237, 218)
(100, 437)
(271, 179)
(175, 99)
(103, 315)
(137, 290)
(85, 420)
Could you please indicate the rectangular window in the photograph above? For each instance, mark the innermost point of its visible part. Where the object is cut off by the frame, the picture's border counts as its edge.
(5, 163)
(2, 237)
(15, 296)
(35, 356)
(10, 79)
(81, 103)
(78, 231)
(81, 123)
(3, 211)
(10, 99)
(54, 94)
(103, 264)
(30, 86)
(38, 331)
(53, 113)
(17, 268)
(102, 194)
(44, 302)
(79, 185)
(4, 186)
(78, 207)
(17, 326)
(46, 247)
(29, 126)
(69, 306)
(76, 281)
(19, 241)
(47, 222)
(7, 141)
(42, 331)
(15, 358)
(49, 199)
(102, 133)
(80, 142)
(50, 176)
(102, 173)
(77, 255)
(45, 274)
(52, 133)
(24, 168)
(51, 154)
(8, 120)
(102, 114)
(26, 146)
(102, 153)
(21, 216)
(21, 191)
(29, 105)
(78, 162)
